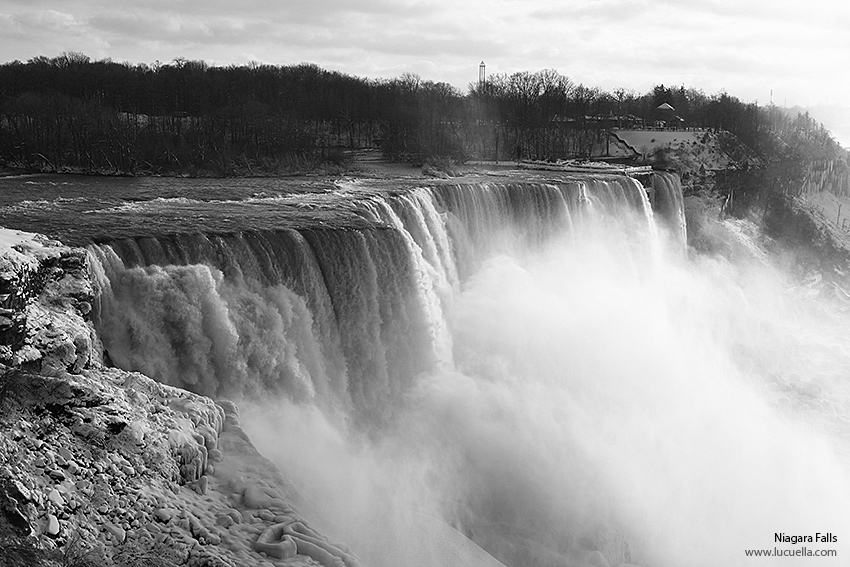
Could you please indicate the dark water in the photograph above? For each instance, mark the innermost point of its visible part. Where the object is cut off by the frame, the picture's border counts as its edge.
(81, 209)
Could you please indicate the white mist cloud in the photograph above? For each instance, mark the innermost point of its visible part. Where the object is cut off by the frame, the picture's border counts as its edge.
(688, 404)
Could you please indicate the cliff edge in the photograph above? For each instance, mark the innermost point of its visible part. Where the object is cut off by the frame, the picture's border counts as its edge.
(99, 466)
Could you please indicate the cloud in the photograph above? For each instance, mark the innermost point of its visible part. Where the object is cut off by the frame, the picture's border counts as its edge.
(596, 11)
(710, 44)
(179, 29)
(52, 21)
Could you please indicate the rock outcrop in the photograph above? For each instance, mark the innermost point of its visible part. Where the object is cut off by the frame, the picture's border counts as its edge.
(45, 301)
(99, 466)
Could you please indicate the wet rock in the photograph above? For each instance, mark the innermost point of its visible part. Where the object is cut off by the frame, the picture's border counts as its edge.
(108, 447)
(26, 354)
(275, 543)
(56, 474)
(17, 511)
(73, 504)
(236, 515)
(197, 528)
(116, 531)
(52, 525)
(56, 498)
(164, 515)
(224, 521)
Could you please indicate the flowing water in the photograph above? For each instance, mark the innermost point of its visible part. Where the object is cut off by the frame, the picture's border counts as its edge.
(533, 360)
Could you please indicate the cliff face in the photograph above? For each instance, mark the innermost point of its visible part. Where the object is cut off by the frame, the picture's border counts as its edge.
(99, 466)
(45, 297)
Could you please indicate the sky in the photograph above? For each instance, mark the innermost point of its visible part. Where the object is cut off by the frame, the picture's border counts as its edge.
(799, 50)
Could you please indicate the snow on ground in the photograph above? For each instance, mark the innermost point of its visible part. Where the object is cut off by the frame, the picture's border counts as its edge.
(18, 248)
(704, 147)
(831, 208)
(658, 138)
(832, 212)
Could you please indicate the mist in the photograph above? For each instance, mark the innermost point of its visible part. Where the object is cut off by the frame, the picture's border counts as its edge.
(610, 399)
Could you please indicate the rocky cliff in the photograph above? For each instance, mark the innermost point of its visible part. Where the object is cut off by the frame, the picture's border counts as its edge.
(99, 466)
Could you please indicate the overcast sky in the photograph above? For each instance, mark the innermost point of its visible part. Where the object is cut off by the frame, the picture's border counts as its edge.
(800, 49)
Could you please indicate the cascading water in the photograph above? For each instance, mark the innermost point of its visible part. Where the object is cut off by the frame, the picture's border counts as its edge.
(355, 312)
(667, 193)
(535, 364)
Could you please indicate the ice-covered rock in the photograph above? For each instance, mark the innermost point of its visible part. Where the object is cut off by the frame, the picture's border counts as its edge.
(45, 300)
(17, 509)
(113, 460)
(52, 525)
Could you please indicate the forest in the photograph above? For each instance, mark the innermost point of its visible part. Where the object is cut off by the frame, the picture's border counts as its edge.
(71, 113)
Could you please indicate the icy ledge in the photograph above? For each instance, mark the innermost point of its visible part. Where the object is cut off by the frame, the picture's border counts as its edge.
(99, 466)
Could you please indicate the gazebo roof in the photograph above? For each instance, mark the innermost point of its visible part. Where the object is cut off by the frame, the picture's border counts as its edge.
(665, 106)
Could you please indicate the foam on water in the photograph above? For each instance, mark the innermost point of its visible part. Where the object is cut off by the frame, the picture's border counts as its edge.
(374, 299)
(536, 364)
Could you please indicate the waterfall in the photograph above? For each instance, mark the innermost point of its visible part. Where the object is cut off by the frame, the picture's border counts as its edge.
(533, 363)
(669, 203)
(343, 316)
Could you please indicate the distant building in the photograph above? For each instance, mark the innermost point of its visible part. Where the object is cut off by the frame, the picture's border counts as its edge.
(665, 117)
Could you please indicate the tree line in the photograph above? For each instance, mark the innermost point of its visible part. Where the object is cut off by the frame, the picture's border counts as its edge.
(72, 113)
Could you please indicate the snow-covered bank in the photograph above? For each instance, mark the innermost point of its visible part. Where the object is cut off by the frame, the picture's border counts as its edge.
(102, 466)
